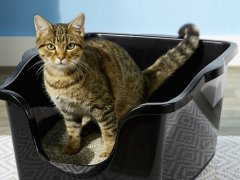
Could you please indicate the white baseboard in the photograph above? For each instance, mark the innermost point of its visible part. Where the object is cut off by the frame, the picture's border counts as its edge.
(12, 48)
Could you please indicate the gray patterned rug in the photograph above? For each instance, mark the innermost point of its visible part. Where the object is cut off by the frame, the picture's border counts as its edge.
(224, 166)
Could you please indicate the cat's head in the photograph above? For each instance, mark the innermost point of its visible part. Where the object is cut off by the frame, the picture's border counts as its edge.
(60, 46)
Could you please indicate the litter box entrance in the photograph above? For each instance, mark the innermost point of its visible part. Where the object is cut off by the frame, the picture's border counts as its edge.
(54, 139)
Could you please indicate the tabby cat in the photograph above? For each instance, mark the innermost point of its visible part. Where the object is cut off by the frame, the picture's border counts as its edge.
(97, 79)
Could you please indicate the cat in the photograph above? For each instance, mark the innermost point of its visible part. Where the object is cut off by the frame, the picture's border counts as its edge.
(97, 79)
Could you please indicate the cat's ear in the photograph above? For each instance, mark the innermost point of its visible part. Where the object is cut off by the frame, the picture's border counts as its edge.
(41, 25)
(78, 24)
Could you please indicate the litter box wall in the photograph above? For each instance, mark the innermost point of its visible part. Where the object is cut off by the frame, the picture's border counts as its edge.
(180, 121)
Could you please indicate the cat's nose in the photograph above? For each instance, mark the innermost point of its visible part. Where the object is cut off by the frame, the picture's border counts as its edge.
(60, 56)
(61, 61)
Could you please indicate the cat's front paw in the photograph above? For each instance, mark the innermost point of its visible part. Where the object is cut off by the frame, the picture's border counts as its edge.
(104, 154)
(71, 150)
(107, 150)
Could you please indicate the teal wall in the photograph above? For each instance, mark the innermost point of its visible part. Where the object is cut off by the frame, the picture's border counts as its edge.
(16, 16)
(213, 17)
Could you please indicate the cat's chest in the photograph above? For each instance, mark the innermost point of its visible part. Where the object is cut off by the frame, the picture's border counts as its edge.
(71, 100)
(71, 104)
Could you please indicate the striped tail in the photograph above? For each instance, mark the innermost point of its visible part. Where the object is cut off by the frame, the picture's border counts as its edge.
(174, 58)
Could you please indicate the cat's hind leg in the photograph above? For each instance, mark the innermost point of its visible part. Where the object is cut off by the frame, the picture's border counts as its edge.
(108, 124)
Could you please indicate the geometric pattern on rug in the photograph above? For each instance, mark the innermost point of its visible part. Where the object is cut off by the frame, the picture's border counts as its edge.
(8, 169)
(225, 165)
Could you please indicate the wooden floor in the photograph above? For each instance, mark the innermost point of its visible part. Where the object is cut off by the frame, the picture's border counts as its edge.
(230, 118)
(4, 124)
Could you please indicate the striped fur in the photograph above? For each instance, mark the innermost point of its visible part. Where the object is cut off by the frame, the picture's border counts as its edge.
(167, 64)
(97, 79)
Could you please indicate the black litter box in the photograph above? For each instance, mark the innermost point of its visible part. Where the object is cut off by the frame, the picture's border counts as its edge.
(171, 136)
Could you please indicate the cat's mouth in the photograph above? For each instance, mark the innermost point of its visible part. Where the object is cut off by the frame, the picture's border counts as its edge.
(61, 64)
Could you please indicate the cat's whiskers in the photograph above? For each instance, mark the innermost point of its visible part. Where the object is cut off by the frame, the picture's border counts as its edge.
(35, 64)
(87, 67)
(39, 71)
(78, 71)
(84, 67)
(40, 68)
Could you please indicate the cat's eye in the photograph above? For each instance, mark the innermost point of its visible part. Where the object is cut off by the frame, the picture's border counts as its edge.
(71, 46)
(50, 47)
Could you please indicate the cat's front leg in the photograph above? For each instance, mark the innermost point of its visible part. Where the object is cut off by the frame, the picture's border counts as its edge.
(73, 130)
